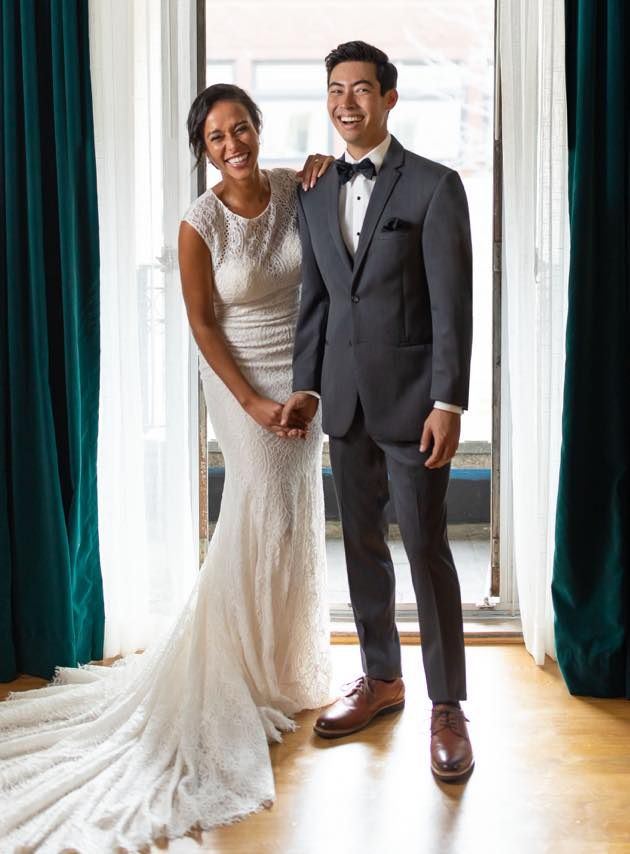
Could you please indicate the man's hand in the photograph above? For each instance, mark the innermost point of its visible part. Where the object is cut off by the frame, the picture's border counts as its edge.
(299, 407)
(442, 429)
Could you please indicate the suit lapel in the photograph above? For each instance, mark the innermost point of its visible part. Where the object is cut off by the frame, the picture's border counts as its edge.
(332, 212)
(385, 183)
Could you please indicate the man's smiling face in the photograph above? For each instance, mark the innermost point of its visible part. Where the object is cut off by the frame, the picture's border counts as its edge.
(356, 106)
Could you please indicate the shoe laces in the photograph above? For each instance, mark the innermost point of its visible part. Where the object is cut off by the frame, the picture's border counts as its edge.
(355, 686)
(448, 718)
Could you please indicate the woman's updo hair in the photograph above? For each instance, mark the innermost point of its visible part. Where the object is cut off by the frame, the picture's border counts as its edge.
(202, 105)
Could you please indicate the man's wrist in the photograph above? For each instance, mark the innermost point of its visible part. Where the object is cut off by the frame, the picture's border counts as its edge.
(308, 391)
(448, 407)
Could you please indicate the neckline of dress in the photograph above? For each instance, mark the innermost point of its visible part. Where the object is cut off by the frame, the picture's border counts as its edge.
(248, 218)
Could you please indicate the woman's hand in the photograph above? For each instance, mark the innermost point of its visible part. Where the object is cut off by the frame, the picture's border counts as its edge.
(268, 413)
(315, 166)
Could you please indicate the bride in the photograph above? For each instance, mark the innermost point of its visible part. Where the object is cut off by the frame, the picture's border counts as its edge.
(178, 736)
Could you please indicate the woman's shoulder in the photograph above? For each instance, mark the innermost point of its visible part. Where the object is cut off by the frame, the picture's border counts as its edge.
(282, 173)
(202, 215)
(285, 178)
(202, 205)
(285, 185)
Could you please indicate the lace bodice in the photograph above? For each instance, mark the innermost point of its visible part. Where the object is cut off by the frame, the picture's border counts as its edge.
(256, 259)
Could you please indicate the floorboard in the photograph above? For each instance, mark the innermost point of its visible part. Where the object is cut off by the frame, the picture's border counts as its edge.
(552, 774)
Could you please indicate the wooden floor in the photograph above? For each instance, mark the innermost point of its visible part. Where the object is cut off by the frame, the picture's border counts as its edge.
(552, 774)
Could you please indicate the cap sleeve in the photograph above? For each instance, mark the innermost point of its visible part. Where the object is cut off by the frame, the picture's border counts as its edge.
(201, 215)
(286, 178)
(285, 188)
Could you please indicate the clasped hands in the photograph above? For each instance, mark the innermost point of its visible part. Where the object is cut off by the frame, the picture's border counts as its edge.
(440, 433)
(289, 421)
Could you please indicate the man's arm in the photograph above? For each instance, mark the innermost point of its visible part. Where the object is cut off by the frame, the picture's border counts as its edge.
(308, 352)
(448, 262)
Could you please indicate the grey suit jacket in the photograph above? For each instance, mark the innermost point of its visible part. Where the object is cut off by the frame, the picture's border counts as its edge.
(394, 326)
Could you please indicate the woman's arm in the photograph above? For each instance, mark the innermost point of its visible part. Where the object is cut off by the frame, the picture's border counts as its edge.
(197, 286)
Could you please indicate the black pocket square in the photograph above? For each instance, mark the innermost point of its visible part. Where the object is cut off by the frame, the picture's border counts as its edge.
(396, 224)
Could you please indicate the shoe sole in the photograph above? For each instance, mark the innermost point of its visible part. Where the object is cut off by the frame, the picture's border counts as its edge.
(326, 733)
(453, 776)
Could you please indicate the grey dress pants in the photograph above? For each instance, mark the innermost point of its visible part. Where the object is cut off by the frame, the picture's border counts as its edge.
(366, 471)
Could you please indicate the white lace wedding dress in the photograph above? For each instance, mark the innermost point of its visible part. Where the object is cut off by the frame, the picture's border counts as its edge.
(178, 736)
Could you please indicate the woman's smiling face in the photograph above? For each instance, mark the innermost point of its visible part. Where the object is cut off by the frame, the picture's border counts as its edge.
(231, 139)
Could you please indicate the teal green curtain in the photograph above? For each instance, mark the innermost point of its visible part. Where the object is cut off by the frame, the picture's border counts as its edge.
(591, 583)
(51, 599)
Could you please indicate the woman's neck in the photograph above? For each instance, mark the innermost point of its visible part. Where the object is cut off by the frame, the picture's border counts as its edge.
(248, 196)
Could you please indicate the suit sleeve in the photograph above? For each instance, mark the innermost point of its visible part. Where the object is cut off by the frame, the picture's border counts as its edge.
(308, 352)
(447, 254)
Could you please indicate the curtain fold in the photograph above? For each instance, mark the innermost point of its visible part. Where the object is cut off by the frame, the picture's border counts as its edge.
(534, 299)
(591, 583)
(143, 73)
(51, 600)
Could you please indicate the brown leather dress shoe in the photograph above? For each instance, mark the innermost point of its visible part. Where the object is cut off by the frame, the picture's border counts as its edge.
(362, 701)
(451, 752)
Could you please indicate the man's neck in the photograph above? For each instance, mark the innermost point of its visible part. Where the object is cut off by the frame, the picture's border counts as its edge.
(358, 151)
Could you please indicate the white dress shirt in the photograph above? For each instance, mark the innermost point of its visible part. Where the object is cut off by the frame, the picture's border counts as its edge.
(355, 194)
(354, 197)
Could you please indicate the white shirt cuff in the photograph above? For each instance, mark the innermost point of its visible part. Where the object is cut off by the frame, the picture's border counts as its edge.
(448, 407)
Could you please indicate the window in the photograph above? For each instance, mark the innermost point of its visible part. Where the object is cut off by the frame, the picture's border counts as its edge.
(444, 52)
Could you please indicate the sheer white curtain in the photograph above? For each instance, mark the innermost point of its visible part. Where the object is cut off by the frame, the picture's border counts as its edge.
(535, 258)
(142, 85)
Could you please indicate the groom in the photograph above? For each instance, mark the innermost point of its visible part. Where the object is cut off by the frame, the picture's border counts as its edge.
(384, 336)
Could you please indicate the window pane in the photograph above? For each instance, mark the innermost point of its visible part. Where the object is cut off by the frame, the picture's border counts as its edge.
(432, 126)
(429, 79)
(292, 129)
(284, 78)
(219, 72)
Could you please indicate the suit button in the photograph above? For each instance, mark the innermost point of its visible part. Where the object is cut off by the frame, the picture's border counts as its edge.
(355, 298)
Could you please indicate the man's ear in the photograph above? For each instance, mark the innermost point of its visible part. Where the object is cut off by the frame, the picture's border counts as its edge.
(391, 98)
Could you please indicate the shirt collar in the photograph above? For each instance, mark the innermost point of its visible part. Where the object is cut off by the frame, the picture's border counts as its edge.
(377, 155)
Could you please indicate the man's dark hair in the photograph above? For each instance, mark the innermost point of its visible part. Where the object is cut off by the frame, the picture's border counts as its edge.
(202, 105)
(386, 72)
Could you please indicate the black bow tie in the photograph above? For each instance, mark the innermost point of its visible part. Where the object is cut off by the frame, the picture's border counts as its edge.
(349, 170)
